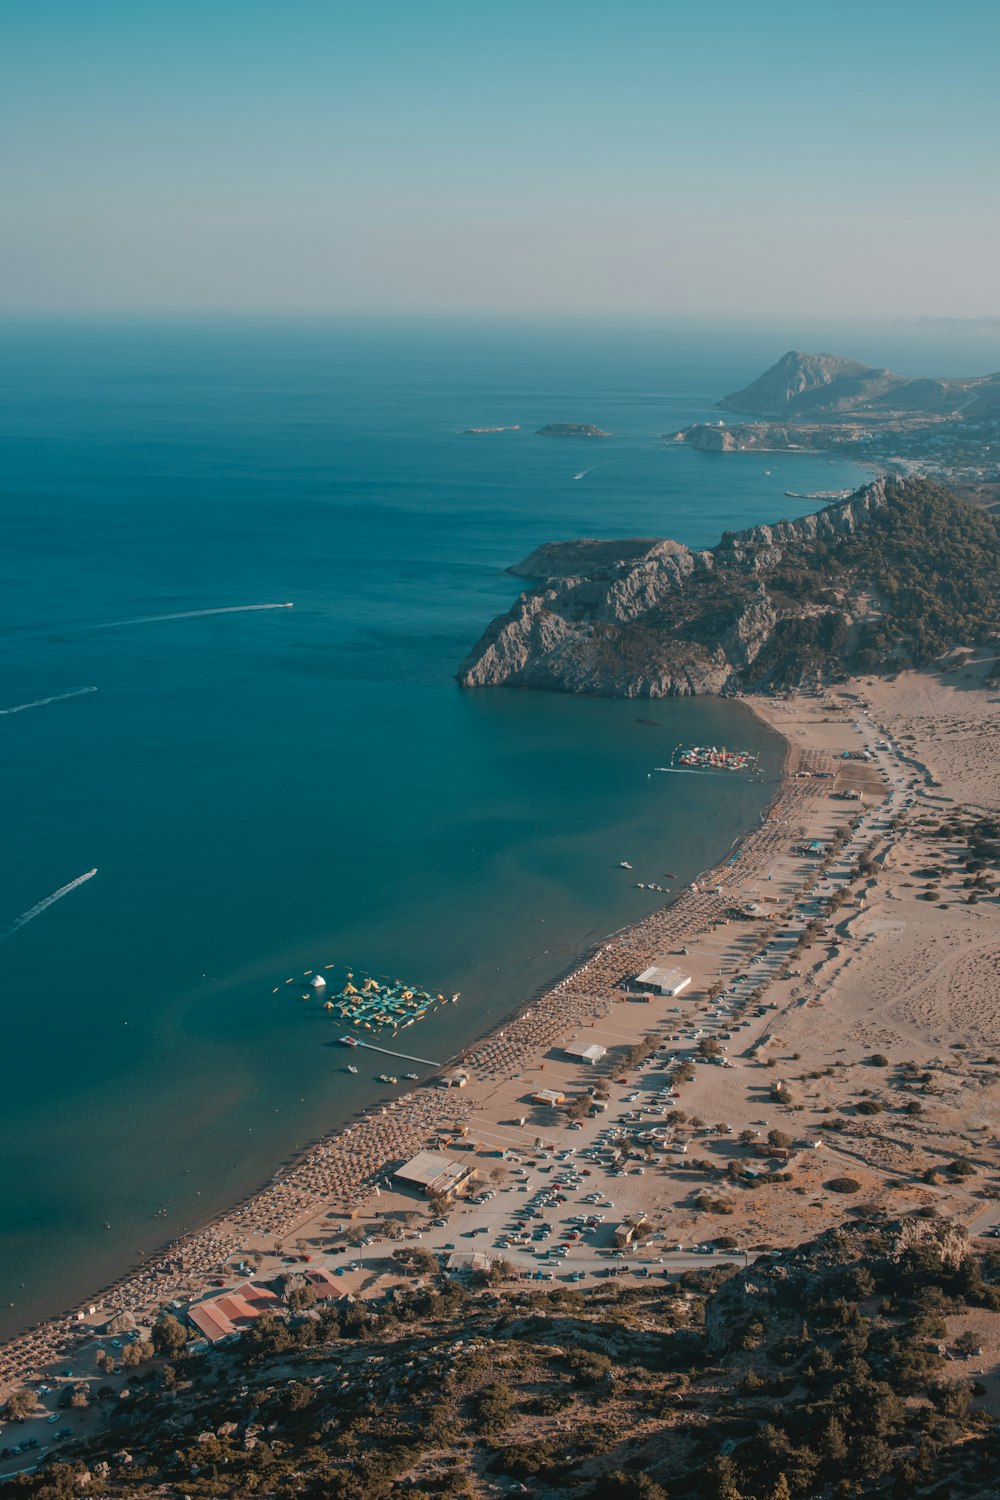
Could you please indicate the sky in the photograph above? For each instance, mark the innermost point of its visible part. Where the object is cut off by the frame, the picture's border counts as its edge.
(552, 158)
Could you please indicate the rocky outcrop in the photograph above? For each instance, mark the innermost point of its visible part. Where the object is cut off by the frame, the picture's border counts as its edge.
(657, 619)
(882, 1247)
(808, 386)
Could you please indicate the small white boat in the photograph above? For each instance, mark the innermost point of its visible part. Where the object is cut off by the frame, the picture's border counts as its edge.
(623, 864)
(351, 1068)
(411, 1075)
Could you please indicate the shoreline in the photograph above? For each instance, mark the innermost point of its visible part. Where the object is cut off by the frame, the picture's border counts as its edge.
(202, 1253)
(813, 947)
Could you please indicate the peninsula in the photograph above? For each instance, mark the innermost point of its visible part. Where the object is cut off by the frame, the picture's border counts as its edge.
(946, 429)
(893, 576)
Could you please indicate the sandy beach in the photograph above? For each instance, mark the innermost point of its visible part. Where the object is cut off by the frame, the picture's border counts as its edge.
(862, 1027)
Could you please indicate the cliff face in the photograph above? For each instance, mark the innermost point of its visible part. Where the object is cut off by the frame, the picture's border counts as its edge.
(655, 619)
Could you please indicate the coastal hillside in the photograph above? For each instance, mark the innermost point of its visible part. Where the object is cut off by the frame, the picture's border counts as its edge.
(835, 1368)
(804, 386)
(894, 575)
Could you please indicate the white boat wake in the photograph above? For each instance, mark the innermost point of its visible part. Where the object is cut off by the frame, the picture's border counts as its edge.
(19, 708)
(690, 771)
(185, 614)
(35, 911)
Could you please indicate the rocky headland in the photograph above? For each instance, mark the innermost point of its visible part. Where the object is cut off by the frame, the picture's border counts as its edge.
(891, 576)
(946, 429)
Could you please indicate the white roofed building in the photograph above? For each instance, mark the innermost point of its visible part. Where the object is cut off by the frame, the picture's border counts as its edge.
(583, 1053)
(662, 979)
(433, 1173)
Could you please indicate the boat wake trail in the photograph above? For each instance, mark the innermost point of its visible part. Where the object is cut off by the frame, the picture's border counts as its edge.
(185, 614)
(35, 911)
(41, 702)
(684, 771)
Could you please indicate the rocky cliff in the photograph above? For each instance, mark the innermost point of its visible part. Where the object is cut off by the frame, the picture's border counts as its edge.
(892, 573)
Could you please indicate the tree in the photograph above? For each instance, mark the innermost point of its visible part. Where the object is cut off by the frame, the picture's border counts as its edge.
(169, 1336)
(298, 1293)
(778, 1138)
(136, 1353)
(834, 1446)
(297, 1396)
(19, 1404)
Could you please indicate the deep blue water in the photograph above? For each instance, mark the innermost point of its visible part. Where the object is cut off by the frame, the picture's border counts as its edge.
(267, 792)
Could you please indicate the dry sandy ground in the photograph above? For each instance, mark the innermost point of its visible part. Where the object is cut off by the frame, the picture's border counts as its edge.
(950, 721)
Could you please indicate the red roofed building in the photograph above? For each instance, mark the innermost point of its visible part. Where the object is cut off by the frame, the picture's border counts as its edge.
(323, 1283)
(220, 1317)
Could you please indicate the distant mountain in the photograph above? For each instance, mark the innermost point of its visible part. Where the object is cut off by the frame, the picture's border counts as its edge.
(896, 574)
(809, 386)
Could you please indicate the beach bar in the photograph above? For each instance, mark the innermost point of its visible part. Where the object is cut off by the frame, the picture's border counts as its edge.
(434, 1174)
(661, 979)
(581, 1053)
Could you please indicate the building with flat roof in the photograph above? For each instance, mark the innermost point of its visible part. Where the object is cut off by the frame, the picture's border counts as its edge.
(433, 1173)
(551, 1097)
(455, 1078)
(662, 979)
(469, 1260)
(582, 1053)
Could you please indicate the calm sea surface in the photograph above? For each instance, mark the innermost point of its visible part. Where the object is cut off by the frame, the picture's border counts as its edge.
(267, 792)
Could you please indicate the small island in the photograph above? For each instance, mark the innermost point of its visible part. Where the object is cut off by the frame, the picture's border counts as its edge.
(573, 430)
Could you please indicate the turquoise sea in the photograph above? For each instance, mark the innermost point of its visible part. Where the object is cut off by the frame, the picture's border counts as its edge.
(264, 792)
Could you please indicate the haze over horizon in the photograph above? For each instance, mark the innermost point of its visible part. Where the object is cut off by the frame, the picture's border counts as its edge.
(655, 160)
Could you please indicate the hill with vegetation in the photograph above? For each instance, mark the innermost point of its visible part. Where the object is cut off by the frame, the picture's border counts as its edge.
(831, 1370)
(895, 575)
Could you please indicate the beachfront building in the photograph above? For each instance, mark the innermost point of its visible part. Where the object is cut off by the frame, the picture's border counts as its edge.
(581, 1053)
(224, 1316)
(435, 1175)
(661, 979)
(455, 1078)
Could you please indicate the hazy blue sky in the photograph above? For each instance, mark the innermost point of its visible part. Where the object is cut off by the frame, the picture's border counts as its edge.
(633, 157)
